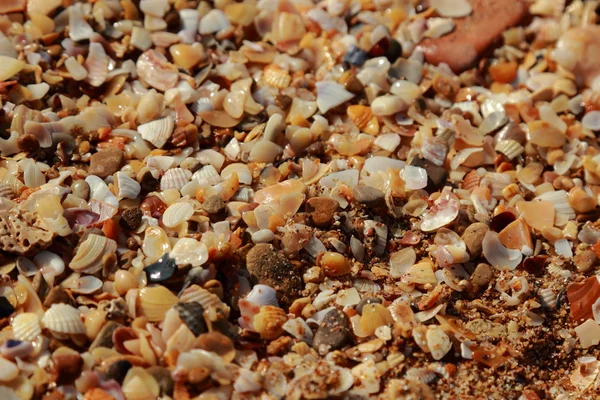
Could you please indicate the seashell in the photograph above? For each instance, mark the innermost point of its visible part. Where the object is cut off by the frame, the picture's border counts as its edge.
(452, 8)
(51, 264)
(373, 316)
(330, 95)
(214, 21)
(175, 178)
(8, 371)
(177, 213)
(90, 254)
(274, 75)
(126, 187)
(591, 120)
(79, 29)
(156, 71)
(401, 261)
(274, 193)
(438, 342)
(99, 191)
(497, 255)
(388, 142)
(548, 298)
(96, 64)
(542, 134)
(438, 27)
(188, 251)
(26, 326)
(63, 318)
(269, 322)
(82, 284)
(510, 148)
(582, 296)
(155, 301)
(388, 105)
(363, 118)
(242, 171)
(158, 131)
(207, 299)
(140, 385)
(444, 211)
(265, 151)
(192, 314)
(493, 122)
(560, 200)
(216, 342)
(262, 295)
(156, 243)
(299, 329)
(156, 8)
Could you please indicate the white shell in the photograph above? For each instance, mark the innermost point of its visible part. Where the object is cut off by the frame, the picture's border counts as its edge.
(188, 251)
(90, 254)
(51, 264)
(330, 95)
(299, 329)
(8, 371)
(82, 284)
(26, 326)
(497, 255)
(99, 191)
(437, 27)
(265, 151)
(96, 65)
(175, 178)
(177, 213)
(452, 8)
(214, 21)
(63, 318)
(438, 342)
(158, 131)
(79, 29)
(510, 148)
(388, 105)
(388, 141)
(207, 176)
(207, 299)
(128, 188)
(263, 295)
(242, 171)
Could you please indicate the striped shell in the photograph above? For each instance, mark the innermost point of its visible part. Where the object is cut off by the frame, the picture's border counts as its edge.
(269, 322)
(26, 326)
(177, 213)
(158, 131)
(155, 301)
(175, 178)
(510, 148)
(63, 318)
(127, 187)
(276, 76)
(90, 254)
(204, 297)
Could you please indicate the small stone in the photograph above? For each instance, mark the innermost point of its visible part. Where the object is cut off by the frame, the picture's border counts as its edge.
(213, 204)
(355, 56)
(161, 270)
(394, 50)
(81, 189)
(131, 219)
(436, 175)
(105, 336)
(333, 333)
(322, 210)
(68, 366)
(353, 85)
(585, 260)
(58, 295)
(482, 275)
(6, 309)
(106, 162)
(365, 301)
(163, 378)
(369, 196)
(118, 370)
(269, 267)
(147, 181)
(473, 238)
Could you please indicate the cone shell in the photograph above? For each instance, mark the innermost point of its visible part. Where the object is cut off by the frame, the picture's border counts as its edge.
(204, 297)
(26, 326)
(63, 318)
(158, 131)
(90, 254)
(276, 76)
(510, 148)
(155, 301)
(269, 322)
(140, 385)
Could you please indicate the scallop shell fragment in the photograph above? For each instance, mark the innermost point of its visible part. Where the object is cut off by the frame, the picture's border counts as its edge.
(26, 326)
(158, 131)
(63, 318)
(188, 251)
(91, 254)
(438, 342)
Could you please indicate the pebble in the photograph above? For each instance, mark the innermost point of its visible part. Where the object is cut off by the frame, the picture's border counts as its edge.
(148, 182)
(161, 270)
(118, 370)
(369, 196)
(105, 336)
(333, 333)
(355, 56)
(482, 275)
(68, 366)
(81, 189)
(485, 329)
(322, 210)
(131, 219)
(163, 378)
(474, 34)
(58, 295)
(269, 267)
(213, 204)
(473, 238)
(6, 309)
(365, 301)
(585, 260)
(436, 175)
(106, 162)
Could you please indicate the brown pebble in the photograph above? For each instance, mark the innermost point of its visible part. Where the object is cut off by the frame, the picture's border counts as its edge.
(106, 162)
(333, 333)
(369, 196)
(28, 143)
(68, 366)
(482, 275)
(131, 219)
(354, 85)
(213, 204)
(163, 378)
(585, 260)
(473, 238)
(147, 181)
(322, 210)
(485, 329)
(270, 267)
(279, 346)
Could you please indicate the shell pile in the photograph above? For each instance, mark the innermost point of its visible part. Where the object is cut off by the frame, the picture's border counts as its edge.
(299, 199)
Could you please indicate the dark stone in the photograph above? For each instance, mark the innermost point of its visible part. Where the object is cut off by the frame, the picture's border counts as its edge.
(365, 301)
(369, 196)
(6, 309)
(161, 270)
(270, 267)
(333, 333)
(502, 220)
(118, 370)
(131, 219)
(355, 56)
(436, 175)
(394, 50)
(192, 314)
(148, 182)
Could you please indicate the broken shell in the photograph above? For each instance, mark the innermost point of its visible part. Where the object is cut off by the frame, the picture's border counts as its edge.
(330, 95)
(438, 342)
(373, 316)
(192, 314)
(175, 178)
(158, 131)
(155, 301)
(91, 253)
(156, 70)
(126, 187)
(510, 148)
(9, 371)
(63, 318)
(542, 134)
(276, 76)
(207, 299)
(96, 64)
(452, 8)
(156, 243)
(214, 21)
(217, 343)
(10, 67)
(269, 322)
(177, 213)
(388, 105)
(26, 326)
(188, 251)
(140, 385)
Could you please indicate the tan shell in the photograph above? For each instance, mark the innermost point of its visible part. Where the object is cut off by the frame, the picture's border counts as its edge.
(276, 76)
(26, 326)
(269, 322)
(363, 118)
(510, 148)
(204, 297)
(63, 318)
(158, 131)
(91, 254)
(140, 385)
(23, 232)
(155, 301)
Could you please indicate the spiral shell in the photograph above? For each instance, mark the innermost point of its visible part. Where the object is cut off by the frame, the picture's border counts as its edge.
(63, 318)
(26, 326)
(91, 254)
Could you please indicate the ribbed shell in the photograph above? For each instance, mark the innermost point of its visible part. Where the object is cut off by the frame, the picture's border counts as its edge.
(510, 148)
(175, 178)
(90, 254)
(26, 326)
(158, 131)
(63, 318)
(204, 297)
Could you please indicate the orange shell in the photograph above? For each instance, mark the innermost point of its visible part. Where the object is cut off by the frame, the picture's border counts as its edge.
(582, 295)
